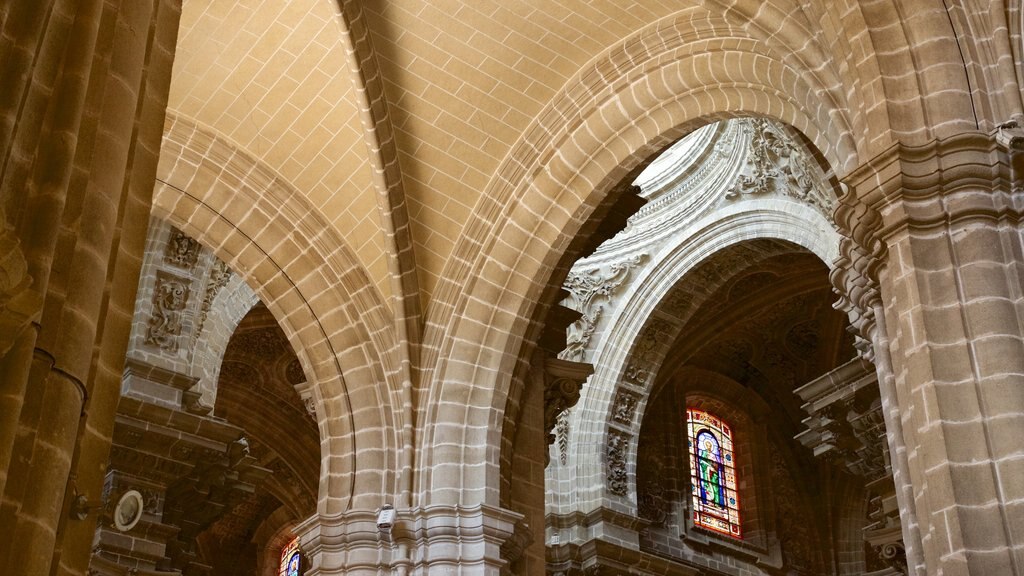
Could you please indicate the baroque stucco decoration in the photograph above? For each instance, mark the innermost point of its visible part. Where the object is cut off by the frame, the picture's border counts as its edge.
(590, 291)
(776, 164)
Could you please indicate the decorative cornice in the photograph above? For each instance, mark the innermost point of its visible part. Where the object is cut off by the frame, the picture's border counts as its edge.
(500, 531)
(900, 182)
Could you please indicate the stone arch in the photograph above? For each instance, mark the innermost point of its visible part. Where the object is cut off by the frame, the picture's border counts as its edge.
(634, 100)
(227, 308)
(644, 317)
(331, 313)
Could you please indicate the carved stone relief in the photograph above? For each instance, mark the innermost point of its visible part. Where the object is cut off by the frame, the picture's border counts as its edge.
(220, 274)
(624, 407)
(652, 500)
(263, 343)
(310, 404)
(617, 451)
(590, 291)
(562, 382)
(181, 251)
(777, 165)
(795, 534)
(644, 356)
(562, 437)
(169, 300)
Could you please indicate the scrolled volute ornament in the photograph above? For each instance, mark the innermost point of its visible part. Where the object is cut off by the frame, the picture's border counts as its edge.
(855, 275)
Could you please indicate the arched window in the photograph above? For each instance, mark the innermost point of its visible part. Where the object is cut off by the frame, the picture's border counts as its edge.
(291, 559)
(712, 473)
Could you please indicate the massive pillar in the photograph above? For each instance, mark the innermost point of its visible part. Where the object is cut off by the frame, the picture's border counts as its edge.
(81, 118)
(931, 274)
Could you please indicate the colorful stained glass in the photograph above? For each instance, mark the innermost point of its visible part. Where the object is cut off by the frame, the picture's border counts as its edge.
(712, 473)
(291, 558)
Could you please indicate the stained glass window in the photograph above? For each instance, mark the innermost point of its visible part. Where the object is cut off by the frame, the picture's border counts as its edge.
(712, 473)
(290, 559)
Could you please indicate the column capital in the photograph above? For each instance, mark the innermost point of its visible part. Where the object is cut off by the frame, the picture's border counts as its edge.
(967, 176)
(906, 183)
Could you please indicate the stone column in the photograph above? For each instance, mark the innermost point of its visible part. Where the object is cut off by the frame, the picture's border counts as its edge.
(81, 118)
(931, 274)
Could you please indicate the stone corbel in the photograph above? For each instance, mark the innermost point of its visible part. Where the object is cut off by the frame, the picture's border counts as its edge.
(563, 380)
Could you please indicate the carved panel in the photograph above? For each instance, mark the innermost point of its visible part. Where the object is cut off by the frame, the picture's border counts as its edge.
(795, 533)
(169, 300)
(652, 501)
(181, 251)
(624, 407)
(617, 452)
(220, 274)
(645, 354)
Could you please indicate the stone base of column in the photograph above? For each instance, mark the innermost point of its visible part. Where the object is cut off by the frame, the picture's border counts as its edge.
(431, 540)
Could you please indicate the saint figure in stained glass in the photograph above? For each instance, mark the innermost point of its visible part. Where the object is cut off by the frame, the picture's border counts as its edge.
(291, 559)
(712, 473)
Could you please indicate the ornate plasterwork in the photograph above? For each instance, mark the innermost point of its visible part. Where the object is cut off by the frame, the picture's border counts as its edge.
(775, 164)
(169, 300)
(591, 290)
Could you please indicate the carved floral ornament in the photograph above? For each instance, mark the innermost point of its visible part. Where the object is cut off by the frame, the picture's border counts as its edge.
(642, 362)
(220, 275)
(777, 165)
(616, 452)
(591, 290)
